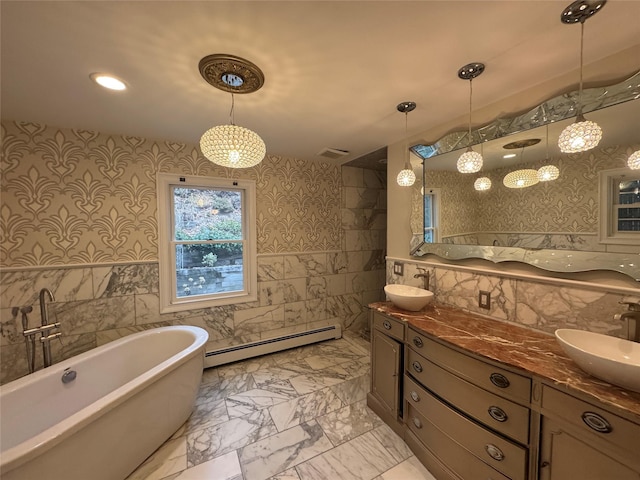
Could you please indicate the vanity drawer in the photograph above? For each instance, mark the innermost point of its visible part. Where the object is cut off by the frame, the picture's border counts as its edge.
(507, 457)
(486, 376)
(492, 410)
(588, 418)
(448, 452)
(390, 326)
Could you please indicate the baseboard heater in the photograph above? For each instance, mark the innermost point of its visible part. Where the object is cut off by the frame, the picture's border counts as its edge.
(270, 345)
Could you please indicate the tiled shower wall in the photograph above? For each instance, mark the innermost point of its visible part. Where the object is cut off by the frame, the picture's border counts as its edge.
(78, 217)
(538, 305)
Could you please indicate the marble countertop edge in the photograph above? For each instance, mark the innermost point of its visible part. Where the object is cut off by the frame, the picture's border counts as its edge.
(531, 351)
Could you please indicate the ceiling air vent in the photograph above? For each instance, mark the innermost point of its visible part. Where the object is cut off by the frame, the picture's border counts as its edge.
(333, 153)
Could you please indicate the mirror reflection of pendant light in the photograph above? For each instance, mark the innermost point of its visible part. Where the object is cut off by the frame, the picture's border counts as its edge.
(548, 172)
(230, 145)
(582, 135)
(482, 184)
(470, 161)
(634, 160)
(406, 177)
(522, 178)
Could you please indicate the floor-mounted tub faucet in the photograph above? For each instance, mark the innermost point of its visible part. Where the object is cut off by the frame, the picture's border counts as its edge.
(631, 318)
(30, 341)
(46, 326)
(43, 330)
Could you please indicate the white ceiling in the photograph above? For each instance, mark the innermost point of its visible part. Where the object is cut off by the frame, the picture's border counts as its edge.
(335, 71)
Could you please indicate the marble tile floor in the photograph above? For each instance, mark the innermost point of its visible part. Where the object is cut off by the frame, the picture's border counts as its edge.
(300, 414)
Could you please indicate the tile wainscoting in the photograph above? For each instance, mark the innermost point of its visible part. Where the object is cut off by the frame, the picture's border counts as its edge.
(98, 304)
(538, 305)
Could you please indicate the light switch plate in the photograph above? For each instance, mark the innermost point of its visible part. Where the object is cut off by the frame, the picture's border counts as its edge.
(484, 300)
(398, 268)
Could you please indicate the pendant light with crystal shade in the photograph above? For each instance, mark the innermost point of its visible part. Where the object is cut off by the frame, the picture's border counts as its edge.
(406, 177)
(231, 145)
(482, 184)
(525, 177)
(634, 160)
(582, 135)
(470, 161)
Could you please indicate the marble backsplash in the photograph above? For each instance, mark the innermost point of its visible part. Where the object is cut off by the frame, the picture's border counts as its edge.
(95, 305)
(541, 306)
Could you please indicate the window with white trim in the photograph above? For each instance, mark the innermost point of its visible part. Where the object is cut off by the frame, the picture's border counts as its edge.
(206, 241)
(431, 215)
(620, 207)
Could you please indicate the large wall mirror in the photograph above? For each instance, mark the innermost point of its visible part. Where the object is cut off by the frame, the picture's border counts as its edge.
(586, 219)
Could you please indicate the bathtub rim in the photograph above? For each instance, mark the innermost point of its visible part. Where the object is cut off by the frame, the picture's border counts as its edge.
(44, 441)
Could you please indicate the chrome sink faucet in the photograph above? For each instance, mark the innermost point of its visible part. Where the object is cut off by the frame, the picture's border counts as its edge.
(631, 317)
(425, 276)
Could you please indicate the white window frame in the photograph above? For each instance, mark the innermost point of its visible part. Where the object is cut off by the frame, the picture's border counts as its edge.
(435, 194)
(609, 206)
(169, 301)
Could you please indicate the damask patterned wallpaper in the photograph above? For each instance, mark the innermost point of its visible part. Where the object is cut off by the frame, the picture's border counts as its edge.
(568, 204)
(77, 197)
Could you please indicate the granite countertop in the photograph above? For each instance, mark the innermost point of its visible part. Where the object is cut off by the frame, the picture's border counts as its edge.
(534, 352)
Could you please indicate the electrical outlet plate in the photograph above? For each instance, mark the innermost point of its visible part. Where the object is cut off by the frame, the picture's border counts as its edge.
(484, 300)
(398, 268)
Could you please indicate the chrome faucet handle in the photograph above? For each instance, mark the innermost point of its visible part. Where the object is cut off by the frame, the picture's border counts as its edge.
(632, 302)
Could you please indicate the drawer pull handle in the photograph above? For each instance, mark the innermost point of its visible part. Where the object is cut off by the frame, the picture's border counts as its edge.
(499, 380)
(387, 324)
(417, 422)
(498, 414)
(596, 422)
(417, 341)
(417, 367)
(494, 452)
(414, 396)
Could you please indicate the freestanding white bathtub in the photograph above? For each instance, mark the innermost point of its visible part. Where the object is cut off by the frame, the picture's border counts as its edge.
(128, 397)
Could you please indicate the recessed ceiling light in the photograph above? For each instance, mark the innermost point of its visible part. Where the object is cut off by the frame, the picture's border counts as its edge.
(509, 155)
(108, 81)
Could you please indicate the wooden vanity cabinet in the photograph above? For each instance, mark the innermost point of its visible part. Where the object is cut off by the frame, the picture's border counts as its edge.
(387, 353)
(581, 440)
(461, 400)
(469, 418)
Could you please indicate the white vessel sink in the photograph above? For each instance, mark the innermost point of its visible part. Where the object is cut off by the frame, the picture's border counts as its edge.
(611, 359)
(407, 297)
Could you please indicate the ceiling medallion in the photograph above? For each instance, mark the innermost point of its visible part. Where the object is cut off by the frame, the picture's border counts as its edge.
(471, 71)
(521, 144)
(230, 73)
(406, 107)
(580, 10)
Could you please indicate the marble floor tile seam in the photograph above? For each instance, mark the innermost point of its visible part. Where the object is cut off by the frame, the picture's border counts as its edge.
(217, 387)
(197, 423)
(391, 462)
(246, 381)
(212, 426)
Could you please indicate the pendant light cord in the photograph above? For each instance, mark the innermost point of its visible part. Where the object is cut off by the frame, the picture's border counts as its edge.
(547, 148)
(407, 164)
(231, 119)
(470, 97)
(581, 63)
